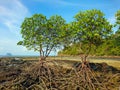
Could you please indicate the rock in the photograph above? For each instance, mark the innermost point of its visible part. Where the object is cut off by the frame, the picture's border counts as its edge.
(17, 61)
(8, 54)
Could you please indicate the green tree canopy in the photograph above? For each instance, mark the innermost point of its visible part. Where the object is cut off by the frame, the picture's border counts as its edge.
(117, 15)
(117, 33)
(42, 34)
(90, 27)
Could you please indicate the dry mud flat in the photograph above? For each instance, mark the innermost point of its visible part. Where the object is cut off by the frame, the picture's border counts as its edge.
(17, 74)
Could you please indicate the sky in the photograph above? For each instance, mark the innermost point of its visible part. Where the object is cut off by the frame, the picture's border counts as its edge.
(13, 12)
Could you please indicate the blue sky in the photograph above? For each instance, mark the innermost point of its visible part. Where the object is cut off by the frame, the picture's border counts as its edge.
(13, 12)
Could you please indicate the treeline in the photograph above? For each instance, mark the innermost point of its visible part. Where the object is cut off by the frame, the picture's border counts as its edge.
(106, 45)
(108, 48)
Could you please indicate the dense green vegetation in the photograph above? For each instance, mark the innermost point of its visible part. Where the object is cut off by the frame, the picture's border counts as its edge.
(42, 34)
(109, 45)
(89, 33)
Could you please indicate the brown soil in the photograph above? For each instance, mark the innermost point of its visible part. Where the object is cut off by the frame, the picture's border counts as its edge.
(52, 75)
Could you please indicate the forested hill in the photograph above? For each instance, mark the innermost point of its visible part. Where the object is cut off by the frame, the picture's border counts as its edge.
(110, 47)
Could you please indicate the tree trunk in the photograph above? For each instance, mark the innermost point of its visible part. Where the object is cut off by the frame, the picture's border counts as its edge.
(84, 62)
(42, 58)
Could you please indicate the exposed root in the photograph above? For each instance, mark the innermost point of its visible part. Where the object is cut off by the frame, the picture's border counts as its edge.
(85, 79)
(49, 75)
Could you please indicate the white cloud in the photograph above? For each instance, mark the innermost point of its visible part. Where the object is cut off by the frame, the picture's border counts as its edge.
(111, 20)
(12, 14)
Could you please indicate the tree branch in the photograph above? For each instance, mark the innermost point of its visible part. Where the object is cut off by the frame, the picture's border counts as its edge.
(49, 51)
